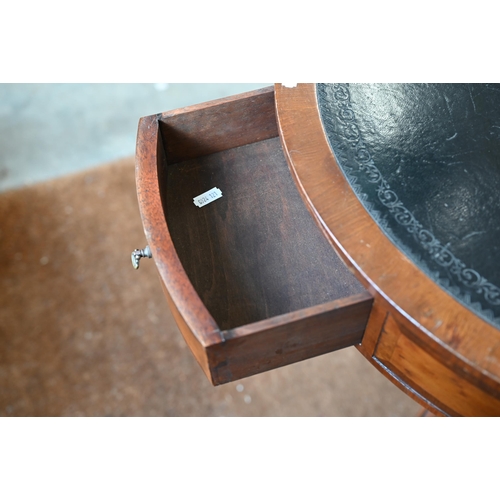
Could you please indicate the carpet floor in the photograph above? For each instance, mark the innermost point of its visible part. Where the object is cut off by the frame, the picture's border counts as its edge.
(84, 334)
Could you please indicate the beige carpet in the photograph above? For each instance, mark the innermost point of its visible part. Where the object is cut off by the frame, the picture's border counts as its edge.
(82, 333)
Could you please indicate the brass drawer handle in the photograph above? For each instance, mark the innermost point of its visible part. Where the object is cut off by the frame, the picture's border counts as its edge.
(138, 254)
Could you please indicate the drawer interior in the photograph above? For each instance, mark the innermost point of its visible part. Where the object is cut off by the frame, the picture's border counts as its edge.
(252, 282)
(256, 252)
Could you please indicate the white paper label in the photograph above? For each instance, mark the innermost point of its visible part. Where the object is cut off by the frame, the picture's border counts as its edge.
(206, 198)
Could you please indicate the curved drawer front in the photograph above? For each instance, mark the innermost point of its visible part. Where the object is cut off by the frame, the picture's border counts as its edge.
(252, 281)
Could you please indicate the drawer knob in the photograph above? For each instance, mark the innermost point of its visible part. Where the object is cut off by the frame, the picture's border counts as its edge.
(138, 254)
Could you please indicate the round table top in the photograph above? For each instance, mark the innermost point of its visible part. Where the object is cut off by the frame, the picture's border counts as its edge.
(424, 160)
(404, 181)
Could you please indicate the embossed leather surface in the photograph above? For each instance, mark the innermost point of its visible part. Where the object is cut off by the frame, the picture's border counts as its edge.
(424, 159)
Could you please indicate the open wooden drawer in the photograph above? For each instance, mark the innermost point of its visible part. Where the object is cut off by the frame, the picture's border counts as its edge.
(252, 282)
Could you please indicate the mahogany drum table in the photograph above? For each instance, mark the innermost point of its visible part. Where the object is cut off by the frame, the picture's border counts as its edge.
(343, 215)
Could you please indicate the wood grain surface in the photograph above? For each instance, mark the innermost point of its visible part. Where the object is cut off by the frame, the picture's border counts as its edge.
(256, 252)
(254, 256)
(218, 125)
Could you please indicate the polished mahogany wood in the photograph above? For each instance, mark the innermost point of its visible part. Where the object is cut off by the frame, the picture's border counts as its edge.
(251, 281)
(255, 253)
(418, 335)
(218, 125)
